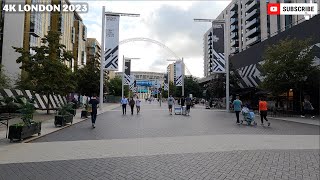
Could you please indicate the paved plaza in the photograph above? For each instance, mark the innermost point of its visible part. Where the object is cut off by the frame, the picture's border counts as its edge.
(208, 144)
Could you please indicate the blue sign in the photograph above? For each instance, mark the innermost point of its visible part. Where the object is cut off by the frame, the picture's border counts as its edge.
(144, 83)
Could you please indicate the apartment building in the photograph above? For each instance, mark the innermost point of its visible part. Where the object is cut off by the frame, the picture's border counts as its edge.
(171, 72)
(247, 24)
(93, 51)
(27, 29)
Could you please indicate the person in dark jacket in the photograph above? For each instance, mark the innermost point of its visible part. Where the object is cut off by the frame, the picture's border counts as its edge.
(94, 103)
(132, 103)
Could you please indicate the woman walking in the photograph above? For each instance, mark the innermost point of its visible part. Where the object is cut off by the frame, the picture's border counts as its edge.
(263, 109)
(131, 103)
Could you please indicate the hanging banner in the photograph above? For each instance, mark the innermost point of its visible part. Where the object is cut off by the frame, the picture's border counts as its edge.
(166, 85)
(216, 53)
(111, 43)
(127, 68)
(178, 69)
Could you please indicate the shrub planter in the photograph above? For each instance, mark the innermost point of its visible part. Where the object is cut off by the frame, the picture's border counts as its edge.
(21, 132)
(62, 120)
(73, 112)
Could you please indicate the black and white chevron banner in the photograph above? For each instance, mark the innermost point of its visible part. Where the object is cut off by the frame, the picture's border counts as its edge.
(179, 81)
(127, 79)
(111, 45)
(165, 86)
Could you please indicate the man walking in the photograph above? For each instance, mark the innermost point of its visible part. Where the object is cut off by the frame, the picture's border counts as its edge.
(131, 103)
(94, 102)
(263, 109)
(170, 103)
(237, 108)
(182, 101)
(138, 103)
(124, 102)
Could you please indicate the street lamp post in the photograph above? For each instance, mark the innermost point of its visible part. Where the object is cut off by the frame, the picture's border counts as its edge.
(104, 13)
(226, 54)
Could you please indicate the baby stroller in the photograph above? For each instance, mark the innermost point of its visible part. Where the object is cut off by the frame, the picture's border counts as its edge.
(248, 116)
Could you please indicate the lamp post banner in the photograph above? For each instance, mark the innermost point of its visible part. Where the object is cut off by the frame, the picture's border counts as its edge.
(111, 53)
(165, 84)
(216, 54)
(178, 80)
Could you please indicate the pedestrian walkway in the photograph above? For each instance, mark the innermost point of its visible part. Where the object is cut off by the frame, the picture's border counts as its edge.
(47, 126)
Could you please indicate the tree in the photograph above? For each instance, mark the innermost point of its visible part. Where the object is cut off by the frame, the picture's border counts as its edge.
(191, 86)
(115, 87)
(88, 78)
(287, 65)
(45, 71)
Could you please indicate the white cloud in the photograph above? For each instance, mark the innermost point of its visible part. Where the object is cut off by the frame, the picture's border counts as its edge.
(169, 22)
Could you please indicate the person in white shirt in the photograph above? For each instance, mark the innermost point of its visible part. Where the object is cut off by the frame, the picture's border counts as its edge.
(170, 104)
(124, 102)
(138, 103)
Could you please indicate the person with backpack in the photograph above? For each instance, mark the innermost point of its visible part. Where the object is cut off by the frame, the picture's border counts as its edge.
(170, 104)
(132, 103)
(188, 103)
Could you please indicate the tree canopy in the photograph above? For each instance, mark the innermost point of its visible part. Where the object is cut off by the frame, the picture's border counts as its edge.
(45, 71)
(287, 64)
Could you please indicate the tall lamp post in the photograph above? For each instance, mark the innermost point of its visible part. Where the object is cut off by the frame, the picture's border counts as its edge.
(102, 64)
(226, 53)
(123, 69)
(175, 60)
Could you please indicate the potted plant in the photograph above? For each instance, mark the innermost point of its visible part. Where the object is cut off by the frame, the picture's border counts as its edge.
(28, 127)
(72, 109)
(64, 116)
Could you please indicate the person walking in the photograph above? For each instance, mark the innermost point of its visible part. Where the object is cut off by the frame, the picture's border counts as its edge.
(132, 103)
(94, 103)
(182, 101)
(124, 102)
(263, 109)
(237, 108)
(307, 108)
(138, 104)
(170, 104)
(188, 103)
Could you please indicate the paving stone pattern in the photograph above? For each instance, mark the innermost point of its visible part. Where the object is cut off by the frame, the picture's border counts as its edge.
(241, 165)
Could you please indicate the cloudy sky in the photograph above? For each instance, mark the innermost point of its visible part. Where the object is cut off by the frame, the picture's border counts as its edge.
(168, 22)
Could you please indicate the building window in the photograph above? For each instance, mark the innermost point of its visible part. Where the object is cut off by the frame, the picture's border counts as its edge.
(288, 21)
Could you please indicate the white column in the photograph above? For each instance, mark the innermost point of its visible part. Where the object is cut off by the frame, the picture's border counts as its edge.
(226, 55)
(122, 77)
(102, 58)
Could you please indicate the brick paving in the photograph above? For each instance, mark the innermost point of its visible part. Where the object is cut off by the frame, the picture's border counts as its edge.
(255, 165)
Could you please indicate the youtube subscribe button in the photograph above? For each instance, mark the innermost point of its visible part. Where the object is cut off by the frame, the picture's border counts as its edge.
(274, 8)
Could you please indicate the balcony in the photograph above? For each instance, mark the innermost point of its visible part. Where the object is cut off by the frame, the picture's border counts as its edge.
(233, 7)
(251, 23)
(234, 20)
(233, 14)
(252, 15)
(233, 28)
(234, 35)
(252, 41)
(251, 6)
(253, 32)
(234, 43)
